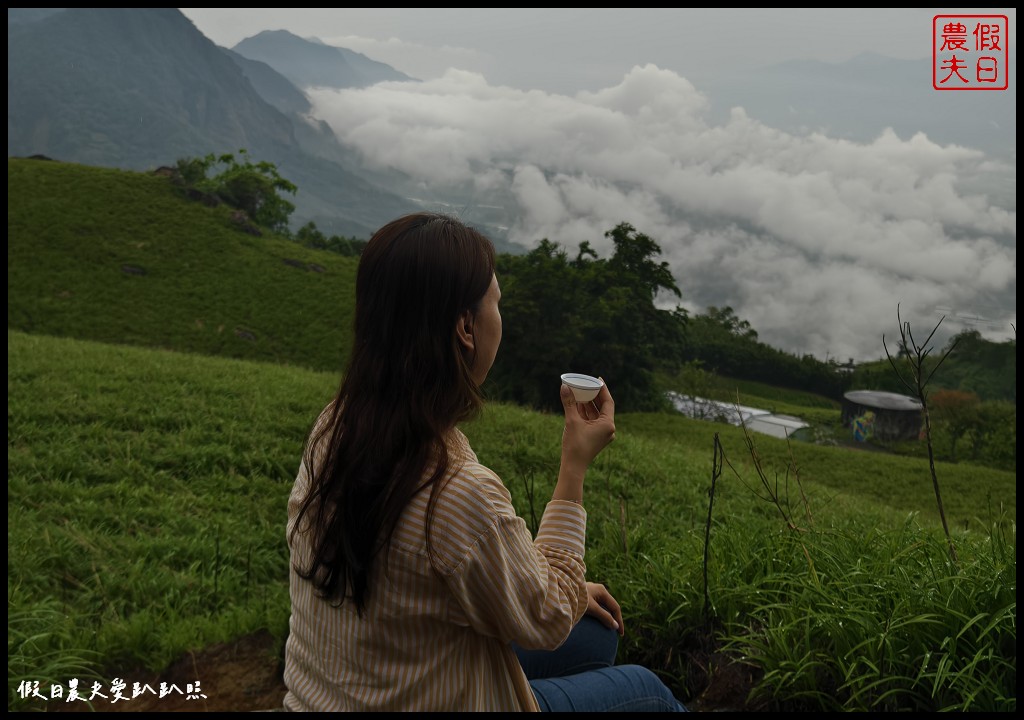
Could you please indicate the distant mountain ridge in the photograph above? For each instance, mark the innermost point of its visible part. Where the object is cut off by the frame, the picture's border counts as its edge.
(312, 63)
(132, 87)
(855, 99)
(271, 85)
(137, 88)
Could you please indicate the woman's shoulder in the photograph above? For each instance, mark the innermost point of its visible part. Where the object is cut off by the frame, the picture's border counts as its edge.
(475, 487)
(472, 499)
(468, 476)
(471, 506)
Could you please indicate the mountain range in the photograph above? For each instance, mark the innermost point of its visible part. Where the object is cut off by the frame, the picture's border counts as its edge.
(137, 88)
(312, 63)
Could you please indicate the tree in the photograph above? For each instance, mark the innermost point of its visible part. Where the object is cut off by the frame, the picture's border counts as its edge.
(726, 317)
(993, 439)
(541, 325)
(590, 315)
(634, 256)
(956, 412)
(251, 187)
(310, 236)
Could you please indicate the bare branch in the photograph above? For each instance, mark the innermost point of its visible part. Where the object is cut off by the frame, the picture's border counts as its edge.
(943, 358)
(917, 356)
(894, 368)
(930, 335)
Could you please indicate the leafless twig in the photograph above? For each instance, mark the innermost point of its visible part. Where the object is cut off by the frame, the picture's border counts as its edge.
(916, 356)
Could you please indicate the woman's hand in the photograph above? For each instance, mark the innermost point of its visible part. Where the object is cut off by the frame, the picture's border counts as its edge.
(583, 438)
(589, 427)
(601, 605)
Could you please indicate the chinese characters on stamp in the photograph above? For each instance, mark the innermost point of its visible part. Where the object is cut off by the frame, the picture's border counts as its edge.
(970, 52)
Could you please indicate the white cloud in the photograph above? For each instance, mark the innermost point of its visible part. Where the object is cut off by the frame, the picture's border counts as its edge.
(813, 240)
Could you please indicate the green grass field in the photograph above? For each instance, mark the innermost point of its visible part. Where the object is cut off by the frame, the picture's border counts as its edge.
(163, 370)
(147, 493)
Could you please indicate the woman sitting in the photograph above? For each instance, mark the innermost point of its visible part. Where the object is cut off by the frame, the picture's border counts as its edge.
(414, 584)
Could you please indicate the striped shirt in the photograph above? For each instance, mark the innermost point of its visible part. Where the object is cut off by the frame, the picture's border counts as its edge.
(435, 636)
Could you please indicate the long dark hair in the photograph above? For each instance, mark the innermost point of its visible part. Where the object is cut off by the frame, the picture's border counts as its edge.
(406, 385)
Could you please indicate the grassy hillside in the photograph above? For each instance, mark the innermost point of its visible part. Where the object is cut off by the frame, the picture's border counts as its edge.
(147, 485)
(117, 256)
(147, 493)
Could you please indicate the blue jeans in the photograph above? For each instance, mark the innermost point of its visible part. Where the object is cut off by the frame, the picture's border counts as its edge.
(581, 676)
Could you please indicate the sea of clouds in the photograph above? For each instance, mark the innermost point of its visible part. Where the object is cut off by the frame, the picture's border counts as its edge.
(813, 240)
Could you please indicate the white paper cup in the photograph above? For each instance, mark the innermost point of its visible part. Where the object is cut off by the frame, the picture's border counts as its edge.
(584, 387)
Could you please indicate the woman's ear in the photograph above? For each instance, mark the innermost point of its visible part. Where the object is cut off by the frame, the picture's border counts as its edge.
(464, 331)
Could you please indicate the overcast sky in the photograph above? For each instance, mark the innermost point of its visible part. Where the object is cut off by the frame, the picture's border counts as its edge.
(569, 49)
(586, 118)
